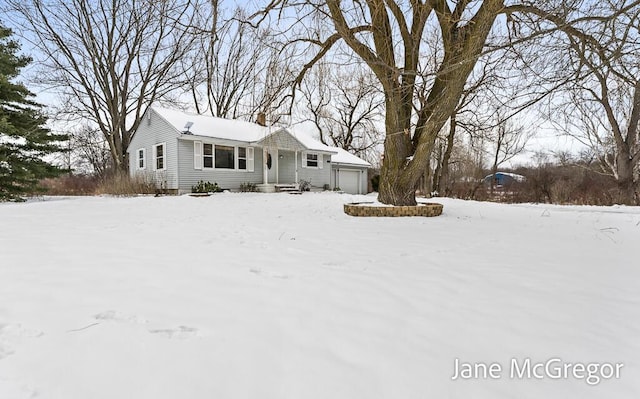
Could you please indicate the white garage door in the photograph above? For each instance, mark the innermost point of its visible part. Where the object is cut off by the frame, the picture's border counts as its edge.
(349, 181)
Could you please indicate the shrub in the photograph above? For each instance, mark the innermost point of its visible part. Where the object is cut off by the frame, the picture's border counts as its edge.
(206, 187)
(304, 185)
(375, 182)
(124, 185)
(113, 183)
(248, 187)
(71, 185)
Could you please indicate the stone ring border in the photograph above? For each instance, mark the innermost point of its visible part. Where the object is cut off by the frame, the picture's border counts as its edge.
(427, 209)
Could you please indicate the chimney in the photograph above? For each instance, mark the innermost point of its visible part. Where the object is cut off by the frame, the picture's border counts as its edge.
(261, 119)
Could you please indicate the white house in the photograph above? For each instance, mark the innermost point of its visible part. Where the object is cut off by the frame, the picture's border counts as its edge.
(179, 149)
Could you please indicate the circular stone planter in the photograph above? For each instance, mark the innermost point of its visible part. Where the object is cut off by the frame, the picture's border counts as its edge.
(428, 209)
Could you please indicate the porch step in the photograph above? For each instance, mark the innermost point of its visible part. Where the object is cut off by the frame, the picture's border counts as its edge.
(266, 188)
(287, 188)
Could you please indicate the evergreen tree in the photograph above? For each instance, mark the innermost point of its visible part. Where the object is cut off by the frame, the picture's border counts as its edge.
(24, 139)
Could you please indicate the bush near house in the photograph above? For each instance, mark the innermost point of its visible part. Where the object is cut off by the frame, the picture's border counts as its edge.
(248, 187)
(304, 185)
(206, 187)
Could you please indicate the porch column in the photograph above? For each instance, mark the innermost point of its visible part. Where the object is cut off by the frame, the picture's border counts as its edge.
(265, 171)
(276, 156)
(296, 165)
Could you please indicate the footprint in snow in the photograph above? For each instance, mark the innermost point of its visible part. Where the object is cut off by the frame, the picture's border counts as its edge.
(112, 315)
(5, 350)
(10, 333)
(272, 275)
(17, 389)
(181, 332)
(333, 265)
(16, 330)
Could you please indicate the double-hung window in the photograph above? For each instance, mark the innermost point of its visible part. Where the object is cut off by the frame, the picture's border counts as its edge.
(242, 158)
(312, 160)
(207, 156)
(141, 159)
(159, 154)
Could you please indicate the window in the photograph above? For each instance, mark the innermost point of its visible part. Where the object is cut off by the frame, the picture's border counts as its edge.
(141, 158)
(312, 160)
(242, 158)
(159, 151)
(208, 156)
(224, 157)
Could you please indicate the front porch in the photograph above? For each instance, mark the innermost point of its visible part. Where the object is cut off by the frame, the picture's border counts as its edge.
(280, 170)
(287, 162)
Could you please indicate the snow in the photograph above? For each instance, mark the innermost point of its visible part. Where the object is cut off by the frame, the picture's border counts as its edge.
(344, 157)
(246, 295)
(208, 126)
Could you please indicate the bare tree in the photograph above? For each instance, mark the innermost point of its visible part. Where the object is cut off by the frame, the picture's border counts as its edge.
(109, 59)
(345, 106)
(236, 70)
(507, 141)
(272, 84)
(90, 151)
(602, 106)
(468, 117)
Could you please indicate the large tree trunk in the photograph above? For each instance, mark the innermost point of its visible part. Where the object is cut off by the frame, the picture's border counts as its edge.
(397, 187)
(627, 194)
(394, 37)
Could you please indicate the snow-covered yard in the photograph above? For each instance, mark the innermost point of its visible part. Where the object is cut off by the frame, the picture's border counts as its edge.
(282, 296)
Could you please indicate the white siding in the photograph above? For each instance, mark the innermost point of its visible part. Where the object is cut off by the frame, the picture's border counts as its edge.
(155, 130)
(226, 179)
(317, 176)
(283, 141)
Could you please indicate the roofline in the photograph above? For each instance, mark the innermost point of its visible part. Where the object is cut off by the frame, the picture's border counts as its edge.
(149, 108)
(164, 119)
(352, 164)
(196, 137)
(284, 129)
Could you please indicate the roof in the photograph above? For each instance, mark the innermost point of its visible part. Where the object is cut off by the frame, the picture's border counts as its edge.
(514, 176)
(344, 157)
(308, 141)
(339, 155)
(209, 126)
(233, 129)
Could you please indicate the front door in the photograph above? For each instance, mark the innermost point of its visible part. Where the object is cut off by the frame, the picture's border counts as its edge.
(272, 165)
(286, 167)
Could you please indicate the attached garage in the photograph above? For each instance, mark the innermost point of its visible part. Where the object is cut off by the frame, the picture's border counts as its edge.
(349, 173)
(348, 180)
